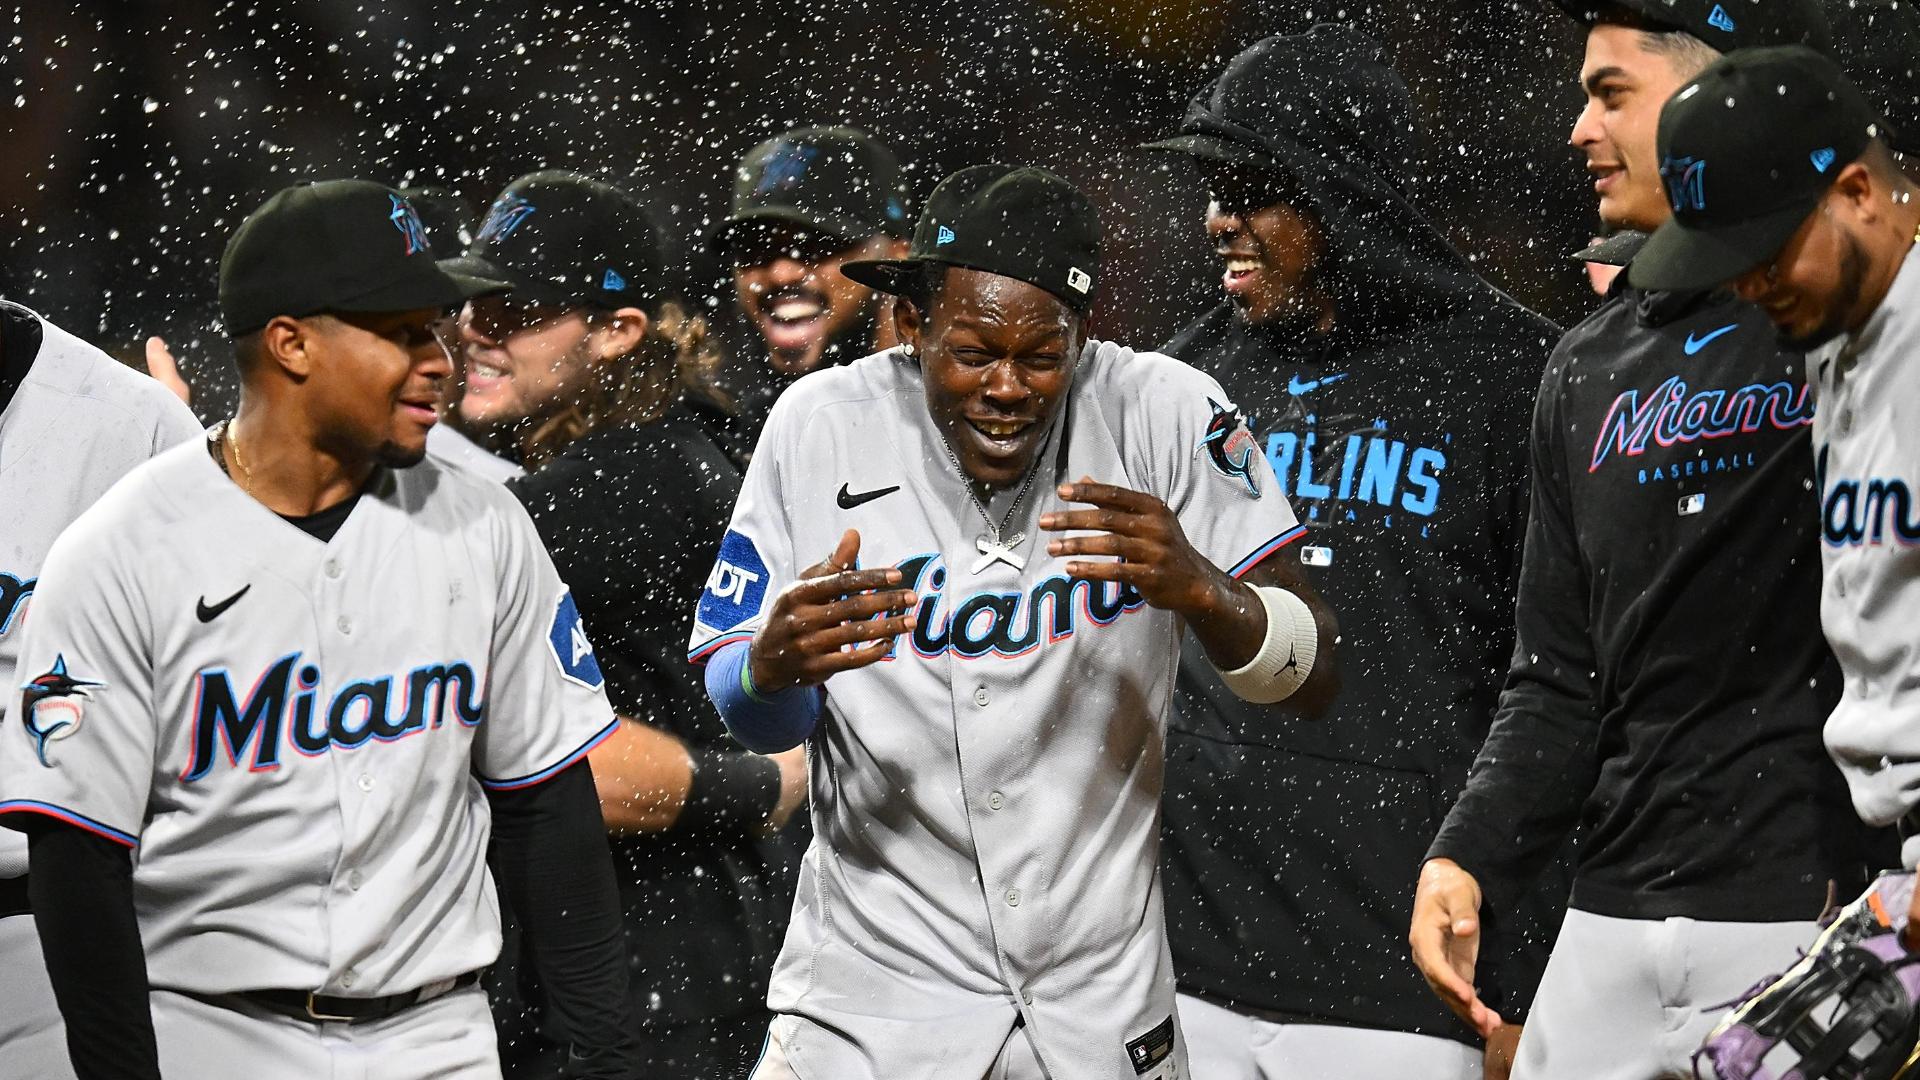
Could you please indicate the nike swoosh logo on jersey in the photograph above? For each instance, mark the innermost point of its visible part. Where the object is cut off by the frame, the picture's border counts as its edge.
(208, 613)
(1694, 344)
(849, 500)
(1297, 388)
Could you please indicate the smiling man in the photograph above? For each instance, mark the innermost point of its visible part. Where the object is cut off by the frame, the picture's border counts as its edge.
(805, 203)
(957, 572)
(1667, 689)
(312, 681)
(1389, 386)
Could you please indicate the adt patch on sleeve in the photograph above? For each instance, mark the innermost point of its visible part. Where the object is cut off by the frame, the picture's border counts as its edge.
(571, 650)
(737, 586)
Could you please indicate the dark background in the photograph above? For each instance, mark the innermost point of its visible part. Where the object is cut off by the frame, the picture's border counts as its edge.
(138, 134)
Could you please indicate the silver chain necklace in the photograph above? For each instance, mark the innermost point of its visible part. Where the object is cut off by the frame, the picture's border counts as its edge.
(993, 549)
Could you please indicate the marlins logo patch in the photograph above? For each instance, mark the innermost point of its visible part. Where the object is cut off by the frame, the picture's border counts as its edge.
(1229, 446)
(571, 650)
(52, 706)
(504, 216)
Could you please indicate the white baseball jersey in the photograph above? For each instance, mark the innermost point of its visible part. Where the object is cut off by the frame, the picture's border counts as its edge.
(453, 448)
(986, 802)
(1866, 441)
(78, 422)
(294, 735)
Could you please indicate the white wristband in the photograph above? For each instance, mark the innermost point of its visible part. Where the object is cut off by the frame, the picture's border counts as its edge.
(1286, 656)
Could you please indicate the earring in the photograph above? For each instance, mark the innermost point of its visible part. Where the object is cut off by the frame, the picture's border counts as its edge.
(907, 347)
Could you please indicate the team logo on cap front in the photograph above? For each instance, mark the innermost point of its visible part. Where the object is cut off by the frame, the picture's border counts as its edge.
(1686, 182)
(52, 706)
(504, 216)
(785, 166)
(407, 220)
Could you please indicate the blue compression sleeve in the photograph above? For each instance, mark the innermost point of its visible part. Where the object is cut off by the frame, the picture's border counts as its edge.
(762, 724)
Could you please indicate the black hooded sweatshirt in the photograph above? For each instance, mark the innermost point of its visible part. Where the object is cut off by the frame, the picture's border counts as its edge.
(1293, 845)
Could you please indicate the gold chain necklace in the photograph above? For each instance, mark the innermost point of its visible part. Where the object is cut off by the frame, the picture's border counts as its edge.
(233, 444)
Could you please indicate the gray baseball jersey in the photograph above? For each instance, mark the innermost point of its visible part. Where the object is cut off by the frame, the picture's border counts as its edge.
(295, 735)
(986, 802)
(1866, 440)
(453, 448)
(78, 422)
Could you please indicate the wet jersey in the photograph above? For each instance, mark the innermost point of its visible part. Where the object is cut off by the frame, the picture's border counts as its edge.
(986, 802)
(1867, 465)
(77, 421)
(294, 735)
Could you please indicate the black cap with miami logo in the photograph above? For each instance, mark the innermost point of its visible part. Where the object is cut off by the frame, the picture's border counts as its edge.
(335, 246)
(564, 239)
(1747, 150)
(834, 180)
(1023, 223)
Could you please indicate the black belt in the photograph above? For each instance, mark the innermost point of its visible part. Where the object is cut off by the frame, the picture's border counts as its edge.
(13, 896)
(302, 1005)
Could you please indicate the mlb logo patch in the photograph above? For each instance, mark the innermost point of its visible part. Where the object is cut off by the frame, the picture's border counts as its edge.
(1316, 556)
(1079, 280)
(572, 652)
(1693, 504)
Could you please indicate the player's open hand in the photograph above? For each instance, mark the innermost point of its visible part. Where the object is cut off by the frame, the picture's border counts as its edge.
(1446, 940)
(833, 619)
(1150, 550)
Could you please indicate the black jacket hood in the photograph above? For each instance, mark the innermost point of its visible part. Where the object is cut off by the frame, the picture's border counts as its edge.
(1324, 112)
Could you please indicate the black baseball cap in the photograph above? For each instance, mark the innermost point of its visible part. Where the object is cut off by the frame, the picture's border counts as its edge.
(335, 246)
(1024, 223)
(834, 180)
(1746, 151)
(1726, 25)
(561, 238)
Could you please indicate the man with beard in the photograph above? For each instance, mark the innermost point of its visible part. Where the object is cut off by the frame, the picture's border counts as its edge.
(1389, 385)
(1666, 689)
(1806, 211)
(805, 203)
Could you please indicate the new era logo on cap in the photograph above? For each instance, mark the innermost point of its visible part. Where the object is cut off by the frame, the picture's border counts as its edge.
(1720, 20)
(612, 281)
(1822, 158)
(1078, 280)
(945, 238)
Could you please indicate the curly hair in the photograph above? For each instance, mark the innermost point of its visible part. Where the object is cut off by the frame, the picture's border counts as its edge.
(675, 360)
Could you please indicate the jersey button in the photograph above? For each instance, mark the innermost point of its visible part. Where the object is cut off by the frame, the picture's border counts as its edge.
(1013, 897)
(346, 979)
(333, 568)
(365, 782)
(981, 697)
(995, 802)
(343, 624)
(354, 880)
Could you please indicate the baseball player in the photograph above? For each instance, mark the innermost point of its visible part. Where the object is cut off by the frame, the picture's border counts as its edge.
(1809, 216)
(305, 680)
(806, 202)
(1345, 332)
(1661, 691)
(597, 362)
(958, 572)
(72, 422)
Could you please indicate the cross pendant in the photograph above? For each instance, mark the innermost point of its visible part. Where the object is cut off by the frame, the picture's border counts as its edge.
(993, 551)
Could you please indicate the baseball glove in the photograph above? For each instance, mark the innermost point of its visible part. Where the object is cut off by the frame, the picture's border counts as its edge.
(1846, 1011)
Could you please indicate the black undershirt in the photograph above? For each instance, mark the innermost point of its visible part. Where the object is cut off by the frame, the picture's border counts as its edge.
(20, 338)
